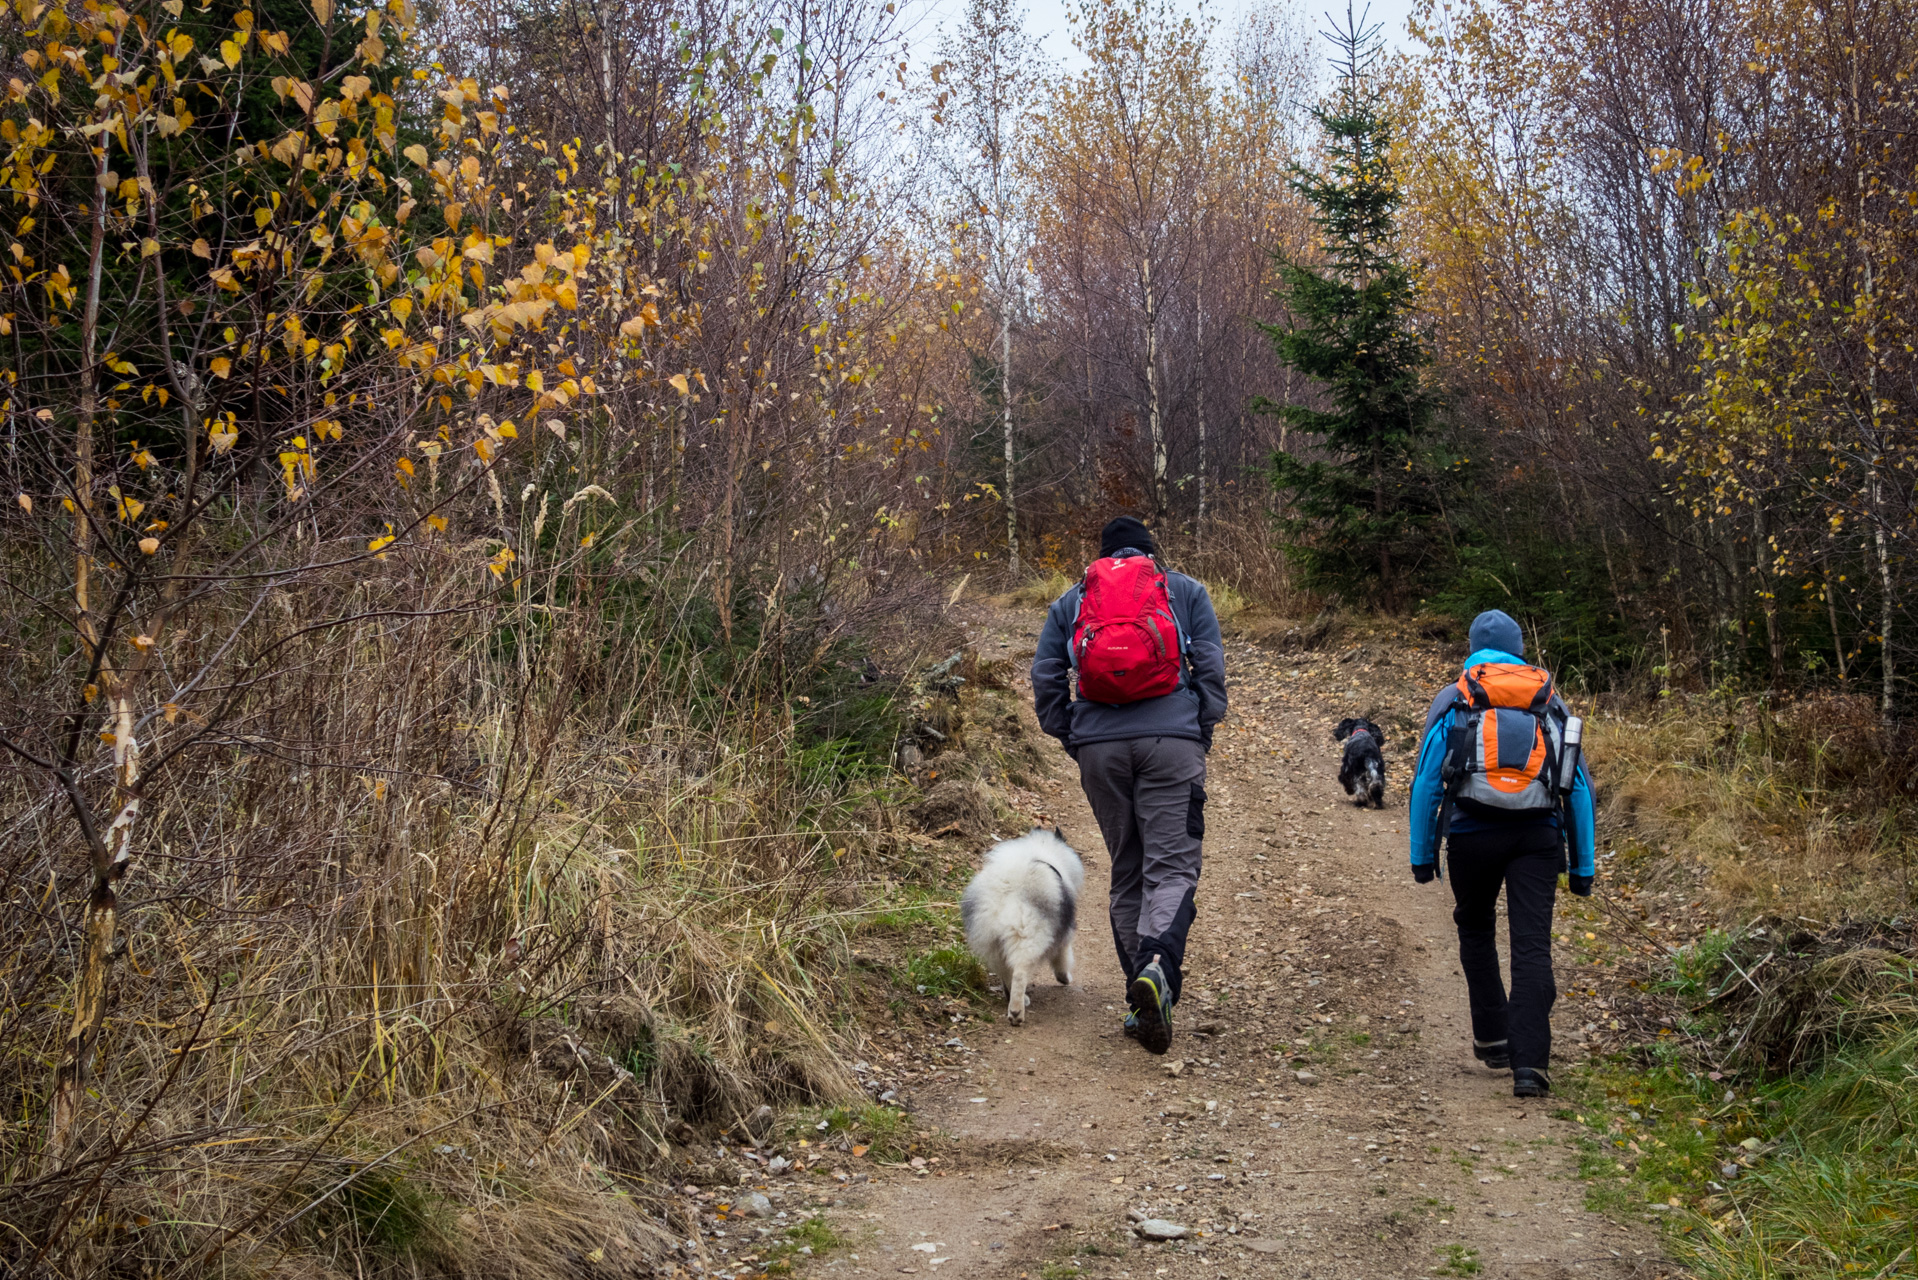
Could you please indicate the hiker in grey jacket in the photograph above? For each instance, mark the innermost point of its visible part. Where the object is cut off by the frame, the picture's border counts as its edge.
(1142, 765)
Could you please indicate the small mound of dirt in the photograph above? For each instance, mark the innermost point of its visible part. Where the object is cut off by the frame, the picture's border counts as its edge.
(955, 807)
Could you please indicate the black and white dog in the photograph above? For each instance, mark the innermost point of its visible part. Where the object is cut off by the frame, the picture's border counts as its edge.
(1362, 768)
(1021, 911)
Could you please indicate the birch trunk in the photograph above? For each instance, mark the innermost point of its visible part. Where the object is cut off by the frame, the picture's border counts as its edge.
(1199, 335)
(1155, 422)
(108, 856)
(1887, 596)
(1005, 401)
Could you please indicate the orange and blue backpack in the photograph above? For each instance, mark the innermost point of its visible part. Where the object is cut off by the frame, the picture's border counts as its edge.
(1506, 745)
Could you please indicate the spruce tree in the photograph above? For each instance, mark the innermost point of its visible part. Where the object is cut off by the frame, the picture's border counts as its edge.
(1359, 510)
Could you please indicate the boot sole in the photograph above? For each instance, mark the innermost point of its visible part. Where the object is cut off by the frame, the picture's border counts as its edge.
(1155, 1034)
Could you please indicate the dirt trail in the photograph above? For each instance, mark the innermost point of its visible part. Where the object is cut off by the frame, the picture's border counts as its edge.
(1313, 951)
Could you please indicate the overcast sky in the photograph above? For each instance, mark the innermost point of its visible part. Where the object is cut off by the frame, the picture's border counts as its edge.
(1046, 21)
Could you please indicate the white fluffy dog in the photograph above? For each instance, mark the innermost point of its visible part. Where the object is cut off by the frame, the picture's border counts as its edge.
(1022, 908)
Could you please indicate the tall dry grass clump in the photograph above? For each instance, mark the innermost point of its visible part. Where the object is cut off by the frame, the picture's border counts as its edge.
(468, 908)
(1802, 808)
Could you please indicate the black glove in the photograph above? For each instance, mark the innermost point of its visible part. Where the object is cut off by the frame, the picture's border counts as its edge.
(1205, 736)
(1425, 872)
(1581, 885)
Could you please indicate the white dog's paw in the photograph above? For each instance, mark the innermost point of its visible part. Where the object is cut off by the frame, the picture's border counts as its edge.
(1016, 1017)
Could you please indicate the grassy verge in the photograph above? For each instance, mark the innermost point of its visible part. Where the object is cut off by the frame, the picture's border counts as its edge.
(1756, 1095)
(1810, 1176)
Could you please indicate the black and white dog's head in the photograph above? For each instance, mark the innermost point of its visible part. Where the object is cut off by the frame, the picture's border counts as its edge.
(1362, 768)
(1351, 725)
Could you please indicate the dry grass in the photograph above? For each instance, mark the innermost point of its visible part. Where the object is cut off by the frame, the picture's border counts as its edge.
(1800, 812)
(1037, 592)
(453, 1004)
(1241, 559)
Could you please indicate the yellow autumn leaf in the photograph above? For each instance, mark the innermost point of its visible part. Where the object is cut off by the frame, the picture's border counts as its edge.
(26, 502)
(535, 381)
(402, 308)
(222, 366)
(230, 53)
(149, 545)
(417, 154)
(129, 507)
(679, 384)
(438, 522)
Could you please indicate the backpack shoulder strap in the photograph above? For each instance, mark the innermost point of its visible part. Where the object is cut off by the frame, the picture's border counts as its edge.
(1458, 741)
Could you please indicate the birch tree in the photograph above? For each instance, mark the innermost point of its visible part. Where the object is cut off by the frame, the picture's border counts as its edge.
(978, 122)
(1121, 149)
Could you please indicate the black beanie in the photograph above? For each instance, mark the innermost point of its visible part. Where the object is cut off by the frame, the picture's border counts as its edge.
(1126, 532)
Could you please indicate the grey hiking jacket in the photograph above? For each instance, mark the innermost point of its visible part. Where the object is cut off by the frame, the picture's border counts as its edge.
(1190, 711)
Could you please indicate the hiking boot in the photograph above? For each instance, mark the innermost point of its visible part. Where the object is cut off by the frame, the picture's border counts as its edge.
(1529, 1082)
(1131, 1027)
(1496, 1054)
(1151, 997)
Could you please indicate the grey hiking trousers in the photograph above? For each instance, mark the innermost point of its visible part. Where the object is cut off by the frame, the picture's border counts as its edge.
(1149, 797)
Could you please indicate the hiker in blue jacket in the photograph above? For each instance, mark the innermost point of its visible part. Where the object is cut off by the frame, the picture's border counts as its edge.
(1523, 850)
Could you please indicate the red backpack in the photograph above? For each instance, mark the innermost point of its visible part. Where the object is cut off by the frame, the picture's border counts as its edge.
(1125, 642)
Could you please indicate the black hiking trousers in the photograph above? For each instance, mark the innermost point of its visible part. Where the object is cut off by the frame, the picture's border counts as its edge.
(1526, 861)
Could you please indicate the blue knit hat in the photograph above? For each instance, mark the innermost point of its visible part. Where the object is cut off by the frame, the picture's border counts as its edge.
(1495, 629)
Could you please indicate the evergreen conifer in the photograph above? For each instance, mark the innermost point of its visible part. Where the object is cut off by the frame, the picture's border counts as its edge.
(1360, 511)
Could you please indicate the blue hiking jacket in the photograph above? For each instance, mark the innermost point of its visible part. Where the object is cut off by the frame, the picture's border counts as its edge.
(1428, 791)
(1189, 711)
